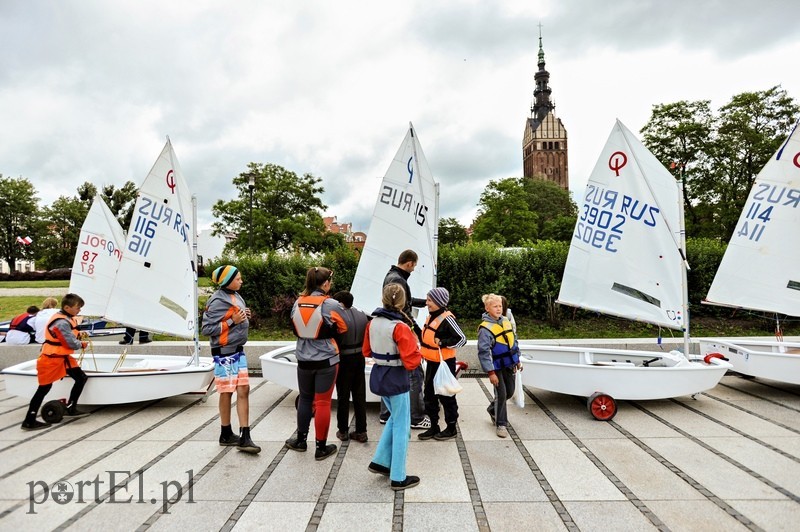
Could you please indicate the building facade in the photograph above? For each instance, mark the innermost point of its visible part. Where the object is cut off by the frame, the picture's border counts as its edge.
(544, 143)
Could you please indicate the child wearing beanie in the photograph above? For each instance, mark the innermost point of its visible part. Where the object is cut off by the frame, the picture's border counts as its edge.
(226, 320)
(441, 336)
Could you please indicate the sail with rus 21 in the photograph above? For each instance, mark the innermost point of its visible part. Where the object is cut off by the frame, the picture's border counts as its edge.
(153, 287)
(406, 216)
(626, 259)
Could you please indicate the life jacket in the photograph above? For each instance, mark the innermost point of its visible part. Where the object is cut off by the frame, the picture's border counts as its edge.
(384, 349)
(52, 343)
(351, 342)
(504, 351)
(20, 322)
(428, 347)
(308, 321)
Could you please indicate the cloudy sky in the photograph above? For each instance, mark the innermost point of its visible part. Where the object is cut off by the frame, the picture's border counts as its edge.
(89, 89)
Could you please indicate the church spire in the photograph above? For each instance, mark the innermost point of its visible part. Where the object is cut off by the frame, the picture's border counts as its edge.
(541, 94)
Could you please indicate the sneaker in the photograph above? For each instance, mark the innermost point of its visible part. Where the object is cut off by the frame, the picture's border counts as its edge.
(37, 425)
(360, 437)
(343, 436)
(378, 469)
(424, 423)
(490, 411)
(144, 341)
(229, 440)
(448, 433)
(383, 421)
(126, 342)
(323, 452)
(428, 434)
(409, 482)
(246, 445)
(74, 413)
(296, 444)
(502, 431)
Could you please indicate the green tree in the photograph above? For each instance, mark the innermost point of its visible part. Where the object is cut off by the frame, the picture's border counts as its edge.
(63, 220)
(286, 212)
(19, 207)
(513, 211)
(120, 201)
(719, 156)
(451, 232)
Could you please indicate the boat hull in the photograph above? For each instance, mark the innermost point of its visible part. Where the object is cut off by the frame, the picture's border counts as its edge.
(280, 366)
(621, 374)
(141, 377)
(758, 358)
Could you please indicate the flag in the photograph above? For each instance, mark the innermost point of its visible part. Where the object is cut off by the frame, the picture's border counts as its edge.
(24, 241)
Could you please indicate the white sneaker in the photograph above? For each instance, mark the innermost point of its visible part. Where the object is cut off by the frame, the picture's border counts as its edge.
(425, 424)
(502, 431)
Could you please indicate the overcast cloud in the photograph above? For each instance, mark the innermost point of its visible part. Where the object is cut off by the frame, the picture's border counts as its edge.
(90, 89)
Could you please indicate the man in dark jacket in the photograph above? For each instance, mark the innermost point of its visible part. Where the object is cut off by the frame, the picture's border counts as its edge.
(399, 274)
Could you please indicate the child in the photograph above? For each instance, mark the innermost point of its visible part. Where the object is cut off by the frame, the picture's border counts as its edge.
(350, 380)
(21, 330)
(441, 336)
(56, 361)
(498, 353)
(226, 321)
(393, 346)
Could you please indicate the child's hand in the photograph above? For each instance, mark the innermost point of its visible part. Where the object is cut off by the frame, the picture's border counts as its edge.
(494, 379)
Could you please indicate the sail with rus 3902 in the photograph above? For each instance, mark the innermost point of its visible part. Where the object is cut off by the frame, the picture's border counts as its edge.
(406, 216)
(759, 270)
(154, 288)
(626, 259)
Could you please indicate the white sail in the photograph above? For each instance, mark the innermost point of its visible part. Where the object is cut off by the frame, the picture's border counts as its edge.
(405, 217)
(759, 270)
(625, 258)
(155, 285)
(97, 258)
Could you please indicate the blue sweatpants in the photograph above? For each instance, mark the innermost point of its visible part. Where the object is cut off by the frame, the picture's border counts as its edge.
(393, 445)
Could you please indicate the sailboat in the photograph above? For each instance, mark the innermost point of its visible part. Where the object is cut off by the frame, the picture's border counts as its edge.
(759, 270)
(406, 216)
(626, 259)
(149, 283)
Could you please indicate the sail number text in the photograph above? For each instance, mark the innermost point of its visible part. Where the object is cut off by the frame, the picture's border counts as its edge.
(149, 215)
(404, 201)
(758, 211)
(604, 214)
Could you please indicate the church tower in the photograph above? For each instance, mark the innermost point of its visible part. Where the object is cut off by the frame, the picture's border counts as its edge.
(544, 143)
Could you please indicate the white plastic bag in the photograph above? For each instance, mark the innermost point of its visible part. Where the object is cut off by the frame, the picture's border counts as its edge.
(444, 382)
(519, 393)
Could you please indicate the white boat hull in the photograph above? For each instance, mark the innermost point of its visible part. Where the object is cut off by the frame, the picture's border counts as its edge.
(141, 377)
(280, 366)
(620, 374)
(779, 361)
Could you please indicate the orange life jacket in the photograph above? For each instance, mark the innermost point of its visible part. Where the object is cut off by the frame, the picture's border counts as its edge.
(308, 321)
(52, 343)
(429, 349)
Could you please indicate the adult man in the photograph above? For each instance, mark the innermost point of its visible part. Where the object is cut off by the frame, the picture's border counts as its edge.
(399, 274)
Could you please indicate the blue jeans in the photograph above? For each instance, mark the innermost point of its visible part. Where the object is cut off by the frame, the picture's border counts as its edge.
(416, 377)
(393, 445)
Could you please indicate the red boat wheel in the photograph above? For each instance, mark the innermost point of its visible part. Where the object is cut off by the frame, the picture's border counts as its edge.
(602, 406)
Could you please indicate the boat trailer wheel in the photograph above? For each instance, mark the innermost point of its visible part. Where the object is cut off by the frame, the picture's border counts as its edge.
(602, 406)
(53, 411)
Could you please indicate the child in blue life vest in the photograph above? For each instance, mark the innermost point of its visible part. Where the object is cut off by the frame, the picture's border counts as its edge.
(498, 353)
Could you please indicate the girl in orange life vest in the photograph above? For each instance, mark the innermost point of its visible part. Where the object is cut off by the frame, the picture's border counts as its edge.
(498, 353)
(441, 334)
(316, 320)
(391, 343)
(56, 361)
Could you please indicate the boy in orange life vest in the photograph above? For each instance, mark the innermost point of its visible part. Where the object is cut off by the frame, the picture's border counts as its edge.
(441, 335)
(56, 361)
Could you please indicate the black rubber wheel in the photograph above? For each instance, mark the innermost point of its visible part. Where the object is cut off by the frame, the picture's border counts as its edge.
(53, 411)
(602, 406)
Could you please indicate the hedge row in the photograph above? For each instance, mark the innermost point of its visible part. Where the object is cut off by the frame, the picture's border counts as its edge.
(529, 277)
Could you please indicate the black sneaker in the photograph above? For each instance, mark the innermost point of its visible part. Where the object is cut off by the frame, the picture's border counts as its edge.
(428, 434)
(296, 444)
(246, 445)
(409, 482)
(229, 440)
(383, 421)
(378, 469)
(37, 425)
(448, 433)
(74, 413)
(342, 435)
(126, 342)
(144, 341)
(323, 452)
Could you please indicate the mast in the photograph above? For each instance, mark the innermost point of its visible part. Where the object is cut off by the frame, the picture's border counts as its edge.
(196, 355)
(684, 265)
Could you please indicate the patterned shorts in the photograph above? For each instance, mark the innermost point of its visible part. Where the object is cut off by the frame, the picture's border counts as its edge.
(230, 371)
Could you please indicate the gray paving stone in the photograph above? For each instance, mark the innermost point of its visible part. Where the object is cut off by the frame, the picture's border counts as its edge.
(357, 516)
(434, 517)
(284, 516)
(539, 516)
(439, 467)
(770, 515)
(607, 515)
(204, 515)
(702, 515)
(501, 473)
